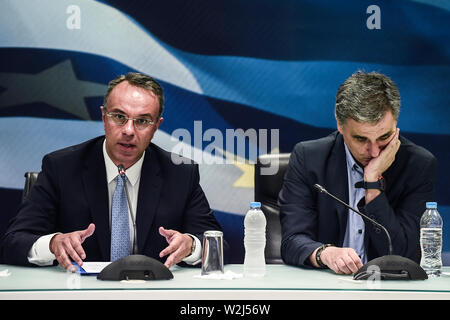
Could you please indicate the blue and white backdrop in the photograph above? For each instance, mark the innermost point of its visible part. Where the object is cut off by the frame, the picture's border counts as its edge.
(267, 70)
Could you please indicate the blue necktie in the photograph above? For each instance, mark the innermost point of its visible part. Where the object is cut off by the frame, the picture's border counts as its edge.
(120, 232)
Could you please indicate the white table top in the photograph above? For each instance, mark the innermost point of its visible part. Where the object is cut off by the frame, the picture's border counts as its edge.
(280, 282)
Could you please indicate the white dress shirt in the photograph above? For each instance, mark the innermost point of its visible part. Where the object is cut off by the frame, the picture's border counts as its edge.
(40, 253)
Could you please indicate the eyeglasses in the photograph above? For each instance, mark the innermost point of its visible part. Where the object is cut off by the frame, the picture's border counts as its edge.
(120, 119)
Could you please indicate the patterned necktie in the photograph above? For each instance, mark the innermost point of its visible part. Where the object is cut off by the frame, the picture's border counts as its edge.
(120, 232)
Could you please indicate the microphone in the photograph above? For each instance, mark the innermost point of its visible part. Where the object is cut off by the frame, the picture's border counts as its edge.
(122, 173)
(134, 266)
(388, 267)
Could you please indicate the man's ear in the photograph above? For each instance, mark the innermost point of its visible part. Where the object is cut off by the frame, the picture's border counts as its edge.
(103, 109)
(339, 127)
(155, 127)
(158, 123)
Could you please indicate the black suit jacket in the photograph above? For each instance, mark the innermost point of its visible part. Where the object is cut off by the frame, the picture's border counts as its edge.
(309, 219)
(71, 192)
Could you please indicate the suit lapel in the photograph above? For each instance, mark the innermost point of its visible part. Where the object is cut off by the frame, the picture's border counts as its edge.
(96, 189)
(337, 183)
(149, 190)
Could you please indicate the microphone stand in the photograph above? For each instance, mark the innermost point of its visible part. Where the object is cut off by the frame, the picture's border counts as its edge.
(390, 267)
(323, 190)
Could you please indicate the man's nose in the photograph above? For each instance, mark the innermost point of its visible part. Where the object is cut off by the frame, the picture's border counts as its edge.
(374, 150)
(128, 127)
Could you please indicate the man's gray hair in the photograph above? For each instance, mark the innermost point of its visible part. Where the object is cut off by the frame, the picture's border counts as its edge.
(138, 80)
(365, 97)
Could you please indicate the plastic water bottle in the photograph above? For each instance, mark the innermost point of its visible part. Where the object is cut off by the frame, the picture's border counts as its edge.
(254, 241)
(431, 240)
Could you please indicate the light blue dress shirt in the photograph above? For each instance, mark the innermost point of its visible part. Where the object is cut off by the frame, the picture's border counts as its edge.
(354, 234)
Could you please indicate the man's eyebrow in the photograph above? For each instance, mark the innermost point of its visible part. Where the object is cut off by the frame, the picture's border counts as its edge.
(117, 110)
(383, 136)
(145, 115)
(386, 135)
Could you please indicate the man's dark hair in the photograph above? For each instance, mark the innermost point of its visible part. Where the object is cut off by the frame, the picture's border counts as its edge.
(138, 80)
(366, 97)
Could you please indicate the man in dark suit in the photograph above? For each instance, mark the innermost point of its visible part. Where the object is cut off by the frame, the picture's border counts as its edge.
(68, 213)
(394, 178)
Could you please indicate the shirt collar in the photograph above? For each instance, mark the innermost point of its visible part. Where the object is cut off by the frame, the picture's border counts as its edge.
(133, 172)
(351, 163)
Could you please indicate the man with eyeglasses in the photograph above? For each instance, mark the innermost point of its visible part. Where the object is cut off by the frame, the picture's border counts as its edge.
(69, 215)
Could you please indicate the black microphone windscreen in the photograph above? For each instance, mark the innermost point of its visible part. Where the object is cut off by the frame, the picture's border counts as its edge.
(121, 169)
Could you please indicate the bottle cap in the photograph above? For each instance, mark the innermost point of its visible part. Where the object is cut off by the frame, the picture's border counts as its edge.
(255, 204)
(431, 205)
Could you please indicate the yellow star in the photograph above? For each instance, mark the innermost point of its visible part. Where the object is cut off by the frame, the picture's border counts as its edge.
(247, 179)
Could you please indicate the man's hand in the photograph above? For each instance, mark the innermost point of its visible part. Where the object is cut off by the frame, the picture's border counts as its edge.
(180, 246)
(68, 245)
(378, 165)
(340, 260)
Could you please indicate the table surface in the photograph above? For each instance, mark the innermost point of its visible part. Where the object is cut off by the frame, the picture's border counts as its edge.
(280, 282)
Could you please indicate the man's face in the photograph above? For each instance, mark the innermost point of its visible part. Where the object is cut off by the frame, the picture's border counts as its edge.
(125, 144)
(366, 140)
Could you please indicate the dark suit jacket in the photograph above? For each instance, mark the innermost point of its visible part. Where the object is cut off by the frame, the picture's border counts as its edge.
(309, 219)
(71, 192)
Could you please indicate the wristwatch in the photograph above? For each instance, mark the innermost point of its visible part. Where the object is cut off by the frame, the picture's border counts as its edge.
(379, 184)
(319, 252)
(193, 245)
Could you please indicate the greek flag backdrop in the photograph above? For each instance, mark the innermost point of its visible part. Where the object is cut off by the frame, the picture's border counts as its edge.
(269, 68)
